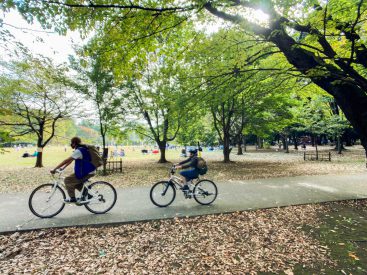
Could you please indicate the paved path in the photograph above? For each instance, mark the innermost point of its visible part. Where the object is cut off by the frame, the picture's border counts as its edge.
(133, 204)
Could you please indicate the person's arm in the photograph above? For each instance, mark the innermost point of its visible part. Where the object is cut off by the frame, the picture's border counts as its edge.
(65, 163)
(193, 163)
(180, 164)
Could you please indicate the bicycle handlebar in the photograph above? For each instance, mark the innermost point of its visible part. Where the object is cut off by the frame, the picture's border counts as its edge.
(173, 169)
(57, 171)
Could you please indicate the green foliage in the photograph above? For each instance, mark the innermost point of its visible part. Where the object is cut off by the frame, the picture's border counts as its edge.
(99, 88)
(34, 97)
(172, 75)
(316, 117)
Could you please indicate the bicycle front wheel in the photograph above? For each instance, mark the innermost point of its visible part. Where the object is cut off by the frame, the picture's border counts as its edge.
(205, 192)
(102, 197)
(162, 194)
(47, 200)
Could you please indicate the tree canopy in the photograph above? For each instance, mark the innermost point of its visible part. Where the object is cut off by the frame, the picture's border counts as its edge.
(291, 44)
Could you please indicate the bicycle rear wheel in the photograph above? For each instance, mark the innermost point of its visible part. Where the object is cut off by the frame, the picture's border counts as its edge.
(162, 194)
(205, 192)
(47, 200)
(103, 197)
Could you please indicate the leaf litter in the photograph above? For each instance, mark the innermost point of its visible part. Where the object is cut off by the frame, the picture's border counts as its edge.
(248, 242)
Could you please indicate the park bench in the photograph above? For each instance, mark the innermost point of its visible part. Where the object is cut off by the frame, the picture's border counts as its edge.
(114, 166)
(111, 165)
(317, 156)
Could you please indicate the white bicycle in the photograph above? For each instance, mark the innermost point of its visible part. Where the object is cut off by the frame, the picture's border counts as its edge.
(47, 200)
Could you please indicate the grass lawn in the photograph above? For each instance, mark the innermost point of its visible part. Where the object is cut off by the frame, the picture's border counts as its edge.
(17, 173)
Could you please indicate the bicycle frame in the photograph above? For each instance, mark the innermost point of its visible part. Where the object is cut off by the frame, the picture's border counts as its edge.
(56, 182)
(59, 181)
(176, 181)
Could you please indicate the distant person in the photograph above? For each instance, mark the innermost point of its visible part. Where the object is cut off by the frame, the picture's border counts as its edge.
(122, 153)
(304, 145)
(35, 154)
(87, 159)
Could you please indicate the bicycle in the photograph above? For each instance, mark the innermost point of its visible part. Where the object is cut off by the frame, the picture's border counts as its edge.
(47, 200)
(163, 193)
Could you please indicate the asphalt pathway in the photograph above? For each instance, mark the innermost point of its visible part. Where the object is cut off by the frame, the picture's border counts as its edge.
(133, 204)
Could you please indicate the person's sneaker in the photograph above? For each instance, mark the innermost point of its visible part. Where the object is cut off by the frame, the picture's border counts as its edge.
(185, 188)
(70, 200)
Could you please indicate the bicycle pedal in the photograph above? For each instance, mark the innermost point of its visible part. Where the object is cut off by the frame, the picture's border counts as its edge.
(188, 195)
(79, 203)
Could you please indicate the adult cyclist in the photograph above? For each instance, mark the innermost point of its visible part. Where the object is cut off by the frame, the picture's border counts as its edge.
(193, 172)
(83, 169)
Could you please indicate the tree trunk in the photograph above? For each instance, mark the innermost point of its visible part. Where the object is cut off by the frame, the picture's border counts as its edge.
(104, 149)
(260, 143)
(316, 145)
(40, 152)
(239, 152)
(226, 148)
(284, 141)
(286, 145)
(244, 143)
(226, 153)
(39, 160)
(339, 145)
(295, 142)
(162, 149)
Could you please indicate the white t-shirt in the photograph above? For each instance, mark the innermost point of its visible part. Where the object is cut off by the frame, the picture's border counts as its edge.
(77, 154)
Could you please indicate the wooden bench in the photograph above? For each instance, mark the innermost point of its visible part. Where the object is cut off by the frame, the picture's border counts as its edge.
(322, 156)
(111, 166)
(114, 166)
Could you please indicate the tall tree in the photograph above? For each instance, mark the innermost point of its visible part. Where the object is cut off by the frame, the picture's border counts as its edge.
(100, 89)
(37, 97)
(318, 38)
(155, 97)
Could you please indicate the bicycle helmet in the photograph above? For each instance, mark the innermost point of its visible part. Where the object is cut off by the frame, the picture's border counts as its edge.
(193, 151)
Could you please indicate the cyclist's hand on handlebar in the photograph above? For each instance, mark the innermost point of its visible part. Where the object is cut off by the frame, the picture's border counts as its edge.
(54, 171)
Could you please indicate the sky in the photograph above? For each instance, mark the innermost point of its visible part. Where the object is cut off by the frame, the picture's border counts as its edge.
(54, 46)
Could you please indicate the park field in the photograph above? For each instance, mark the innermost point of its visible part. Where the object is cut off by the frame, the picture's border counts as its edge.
(326, 238)
(18, 174)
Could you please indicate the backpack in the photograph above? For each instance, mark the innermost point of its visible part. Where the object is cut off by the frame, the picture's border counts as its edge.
(201, 166)
(96, 158)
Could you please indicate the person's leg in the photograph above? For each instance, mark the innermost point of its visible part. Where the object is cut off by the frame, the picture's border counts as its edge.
(71, 182)
(85, 194)
(188, 175)
(184, 174)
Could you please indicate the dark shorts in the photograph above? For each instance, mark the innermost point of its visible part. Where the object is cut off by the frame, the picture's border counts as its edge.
(190, 174)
